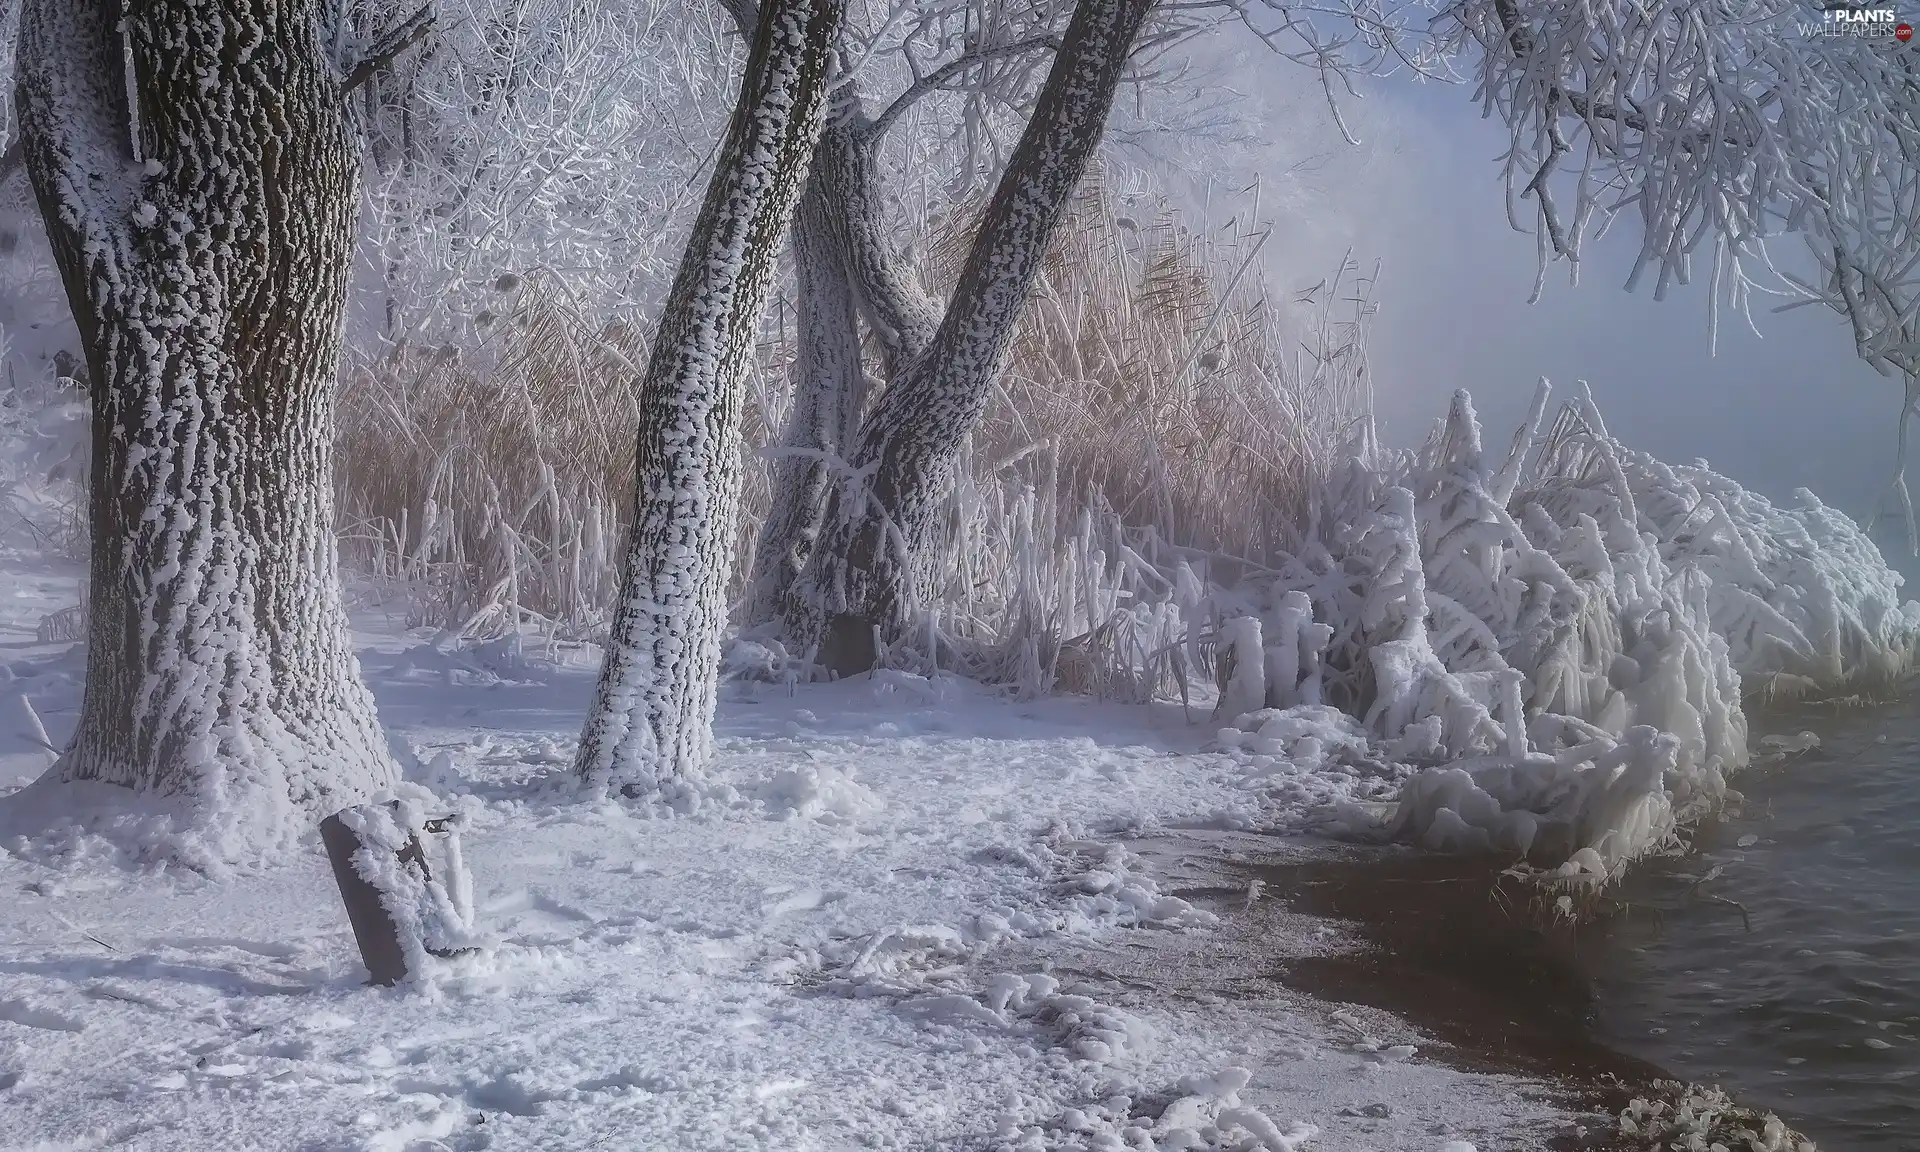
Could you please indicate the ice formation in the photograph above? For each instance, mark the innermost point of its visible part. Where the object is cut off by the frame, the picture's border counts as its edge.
(1562, 635)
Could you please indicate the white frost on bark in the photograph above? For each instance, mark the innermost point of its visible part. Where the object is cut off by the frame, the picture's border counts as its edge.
(861, 576)
(829, 392)
(208, 280)
(848, 267)
(649, 729)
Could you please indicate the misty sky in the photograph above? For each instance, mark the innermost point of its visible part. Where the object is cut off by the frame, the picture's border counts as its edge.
(1423, 195)
(1789, 408)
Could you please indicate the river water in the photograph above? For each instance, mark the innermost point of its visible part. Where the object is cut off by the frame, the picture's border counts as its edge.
(1810, 1003)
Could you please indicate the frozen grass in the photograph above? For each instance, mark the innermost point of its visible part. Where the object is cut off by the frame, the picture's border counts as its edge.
(1158, 409)
(1161, 429)
(1168, 389)
(484, 489)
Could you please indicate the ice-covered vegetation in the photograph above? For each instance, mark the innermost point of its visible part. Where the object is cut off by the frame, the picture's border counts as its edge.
(1549, 645)
(1163, 490)
(1677, 1115)
(1564, 637)
(1114, 466)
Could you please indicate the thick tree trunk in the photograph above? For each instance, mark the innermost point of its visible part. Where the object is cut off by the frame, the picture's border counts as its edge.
(650, 725)
(208, 276)
(860, 580)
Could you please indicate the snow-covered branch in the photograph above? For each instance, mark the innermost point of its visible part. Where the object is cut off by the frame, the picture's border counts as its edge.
(384, 51)
(1722, 125)
(949, 73)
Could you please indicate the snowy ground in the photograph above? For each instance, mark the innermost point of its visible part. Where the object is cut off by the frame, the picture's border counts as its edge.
(852, 952)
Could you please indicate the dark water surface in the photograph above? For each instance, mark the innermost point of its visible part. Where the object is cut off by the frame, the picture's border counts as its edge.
(1815, 1012)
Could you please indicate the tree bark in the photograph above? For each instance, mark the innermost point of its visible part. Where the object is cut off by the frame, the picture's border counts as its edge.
(848, 267)
(860, 580)
(899, 311)
(204, 233)
(650, 725)
(829, 391)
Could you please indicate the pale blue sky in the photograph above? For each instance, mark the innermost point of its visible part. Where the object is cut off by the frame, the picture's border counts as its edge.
(1792, 409)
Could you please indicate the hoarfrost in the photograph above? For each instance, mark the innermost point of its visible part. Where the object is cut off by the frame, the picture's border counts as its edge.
(1564, 637)
(433, 916)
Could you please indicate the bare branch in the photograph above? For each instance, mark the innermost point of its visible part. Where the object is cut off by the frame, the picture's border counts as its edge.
(947, 73)
(401, 37)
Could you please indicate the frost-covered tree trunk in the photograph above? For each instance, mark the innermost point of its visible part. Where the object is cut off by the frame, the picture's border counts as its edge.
(898, 310)
(829, 388)
(650, 725)
(847, 266)
(860, 579)
(196, 172)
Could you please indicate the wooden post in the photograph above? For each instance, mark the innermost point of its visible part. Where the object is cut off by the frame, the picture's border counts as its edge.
(373, 925)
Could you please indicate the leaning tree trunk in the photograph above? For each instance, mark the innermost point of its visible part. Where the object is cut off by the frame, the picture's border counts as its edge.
(847, 264)
(829, 389)
(898, 310)
(204, 237)
(650, 724)
(860, 580)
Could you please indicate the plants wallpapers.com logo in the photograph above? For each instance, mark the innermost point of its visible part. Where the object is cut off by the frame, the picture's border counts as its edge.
(1844, 19)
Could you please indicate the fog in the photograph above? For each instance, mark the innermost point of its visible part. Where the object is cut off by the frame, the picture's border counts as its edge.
(1789, 407)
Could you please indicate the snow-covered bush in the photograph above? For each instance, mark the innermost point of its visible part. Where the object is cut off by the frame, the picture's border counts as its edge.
(1561, 640)
(1567, 632)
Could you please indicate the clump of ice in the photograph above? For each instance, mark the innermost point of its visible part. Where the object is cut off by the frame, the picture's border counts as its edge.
(1563, 635)
(1306, 732)
(1588, 811)
(1677, 1115)
(1243, 666)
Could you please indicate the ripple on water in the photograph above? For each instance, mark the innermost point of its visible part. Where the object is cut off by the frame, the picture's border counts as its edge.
(1817, 1012)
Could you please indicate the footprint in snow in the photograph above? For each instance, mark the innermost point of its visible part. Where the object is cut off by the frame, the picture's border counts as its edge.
(29, 1015)
(804, 900)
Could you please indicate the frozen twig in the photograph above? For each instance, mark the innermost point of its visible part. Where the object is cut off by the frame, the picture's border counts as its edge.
(382, 54)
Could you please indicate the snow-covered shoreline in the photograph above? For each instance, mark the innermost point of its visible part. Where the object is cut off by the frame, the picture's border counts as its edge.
(874, 928)
(851, 951)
